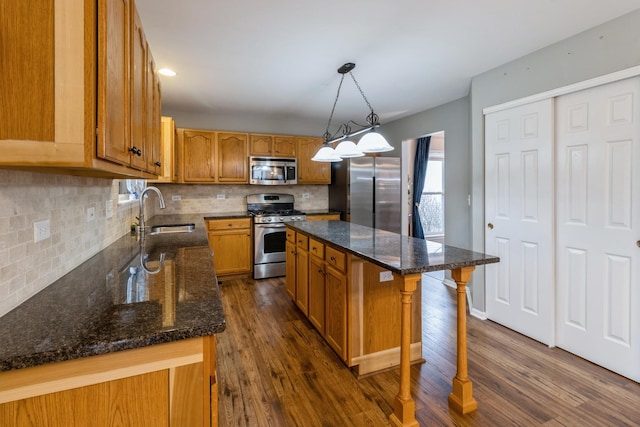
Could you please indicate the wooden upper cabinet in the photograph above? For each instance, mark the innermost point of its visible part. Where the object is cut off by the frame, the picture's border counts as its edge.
(272, 145)
(310, 172)
(284, 146)
(167, 170)
(114, 31)
(260, 145)
(198, 155)
(67, 86)
(139, 145)
(153, 111)
(232, 159)
(212, 157)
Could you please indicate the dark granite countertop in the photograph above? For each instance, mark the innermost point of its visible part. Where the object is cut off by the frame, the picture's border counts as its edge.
(122, 298)
(400, 254)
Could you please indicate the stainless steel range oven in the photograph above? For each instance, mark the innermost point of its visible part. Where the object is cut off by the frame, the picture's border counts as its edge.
(270, 213)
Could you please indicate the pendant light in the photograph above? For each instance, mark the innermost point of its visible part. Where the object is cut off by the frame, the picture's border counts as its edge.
(371, 142)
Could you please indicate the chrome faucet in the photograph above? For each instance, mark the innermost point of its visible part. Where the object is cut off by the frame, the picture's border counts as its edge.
(143, 193)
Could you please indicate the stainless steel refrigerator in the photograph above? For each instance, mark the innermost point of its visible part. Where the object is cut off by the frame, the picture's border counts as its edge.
(368, 190)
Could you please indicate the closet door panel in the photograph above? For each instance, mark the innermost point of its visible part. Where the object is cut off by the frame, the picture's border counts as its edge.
(519, 214)
(598, 225)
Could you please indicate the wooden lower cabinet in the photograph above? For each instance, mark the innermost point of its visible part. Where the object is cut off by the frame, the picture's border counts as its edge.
(350, 306)
(164, 385)
(291, 270)
(336, 311)
(231, 243)
(323, 217)
(302, 279)
(317, 293)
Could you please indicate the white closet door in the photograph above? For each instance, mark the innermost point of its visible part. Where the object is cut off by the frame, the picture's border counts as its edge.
(598, 225)
(519, 217)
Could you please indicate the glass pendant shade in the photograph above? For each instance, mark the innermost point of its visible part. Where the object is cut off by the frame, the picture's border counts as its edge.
(373, 142)
(347, 149)
(326, 154)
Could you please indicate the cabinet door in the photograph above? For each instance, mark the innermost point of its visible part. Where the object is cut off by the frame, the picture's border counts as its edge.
(114, 23)
(316, 293)
(141, 400)
(310, 172)
(336, 311)
(158, 154)
(198, 148)
(302, 281)
(284, 146)
(291, 270)
(260, 145)
(140, 140)
(232, 161)
(231, 251)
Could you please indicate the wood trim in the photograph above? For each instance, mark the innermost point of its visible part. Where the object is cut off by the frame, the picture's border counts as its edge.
(41, 153)
(385, 359)
(29, 382)
(69, 71)
(586, 84)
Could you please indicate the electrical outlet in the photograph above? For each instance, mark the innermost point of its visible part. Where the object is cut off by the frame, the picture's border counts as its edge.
(41, 230)
(108, 208)
(386, 276)
(221, 196)
(91, 214)
(305, 195)
(176, 197)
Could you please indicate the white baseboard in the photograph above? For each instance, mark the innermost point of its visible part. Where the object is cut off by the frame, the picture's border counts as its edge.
(473, 311)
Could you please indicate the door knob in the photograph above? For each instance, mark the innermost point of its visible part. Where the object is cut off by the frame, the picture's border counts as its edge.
(490, 226)
(638, 243)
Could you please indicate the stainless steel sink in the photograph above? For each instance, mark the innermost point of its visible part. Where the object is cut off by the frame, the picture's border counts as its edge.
(172, 228)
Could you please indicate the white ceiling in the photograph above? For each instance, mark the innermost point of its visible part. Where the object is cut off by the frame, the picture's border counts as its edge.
(279, 57)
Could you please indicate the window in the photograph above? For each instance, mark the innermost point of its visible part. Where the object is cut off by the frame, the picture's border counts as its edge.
(432, 199)
(129, 189)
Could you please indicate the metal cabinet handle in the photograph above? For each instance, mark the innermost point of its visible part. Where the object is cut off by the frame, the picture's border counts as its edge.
(333, 258)
(158, 164)
(638, 243)
(490, 226)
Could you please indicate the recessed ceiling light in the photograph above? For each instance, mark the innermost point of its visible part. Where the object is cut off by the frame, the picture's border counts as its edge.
(167, 72)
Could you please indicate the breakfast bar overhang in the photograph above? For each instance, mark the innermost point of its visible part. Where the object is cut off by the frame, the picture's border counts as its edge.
(408, 258)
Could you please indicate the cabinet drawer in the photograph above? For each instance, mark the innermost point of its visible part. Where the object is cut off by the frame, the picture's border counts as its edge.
(228, 224)
(302, 241)
(291, 236)
(316, 248)
(324, 217)
(336, 258)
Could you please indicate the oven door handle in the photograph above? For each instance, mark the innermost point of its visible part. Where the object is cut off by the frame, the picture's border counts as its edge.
(270, 225)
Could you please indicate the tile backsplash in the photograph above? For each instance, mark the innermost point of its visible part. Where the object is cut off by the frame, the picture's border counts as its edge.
(204, 198)
(27, 267)
(26, 197)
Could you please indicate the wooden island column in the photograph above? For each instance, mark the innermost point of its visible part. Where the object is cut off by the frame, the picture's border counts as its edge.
(461, 398)
(404, 407)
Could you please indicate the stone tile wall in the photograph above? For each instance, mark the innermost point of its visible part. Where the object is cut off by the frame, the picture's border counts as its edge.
(203, 198)
(26, 197)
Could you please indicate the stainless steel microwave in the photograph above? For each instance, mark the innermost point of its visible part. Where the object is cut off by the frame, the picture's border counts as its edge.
(273, 171)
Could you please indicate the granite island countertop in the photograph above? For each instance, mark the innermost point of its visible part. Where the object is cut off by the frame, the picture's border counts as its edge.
(401, 254)
(121, 298)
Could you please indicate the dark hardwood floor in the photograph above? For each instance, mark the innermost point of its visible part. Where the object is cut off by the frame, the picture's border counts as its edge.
(274, 369)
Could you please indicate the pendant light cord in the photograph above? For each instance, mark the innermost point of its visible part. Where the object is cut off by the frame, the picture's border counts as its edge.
(327, 135)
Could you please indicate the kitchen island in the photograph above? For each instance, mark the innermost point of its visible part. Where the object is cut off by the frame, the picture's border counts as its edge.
(407, 258)
(127, 338)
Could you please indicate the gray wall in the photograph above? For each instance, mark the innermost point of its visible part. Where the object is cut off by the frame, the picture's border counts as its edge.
(453, 119)
(601, 50)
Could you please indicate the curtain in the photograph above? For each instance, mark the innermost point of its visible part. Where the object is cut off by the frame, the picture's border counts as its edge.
(419, 174)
